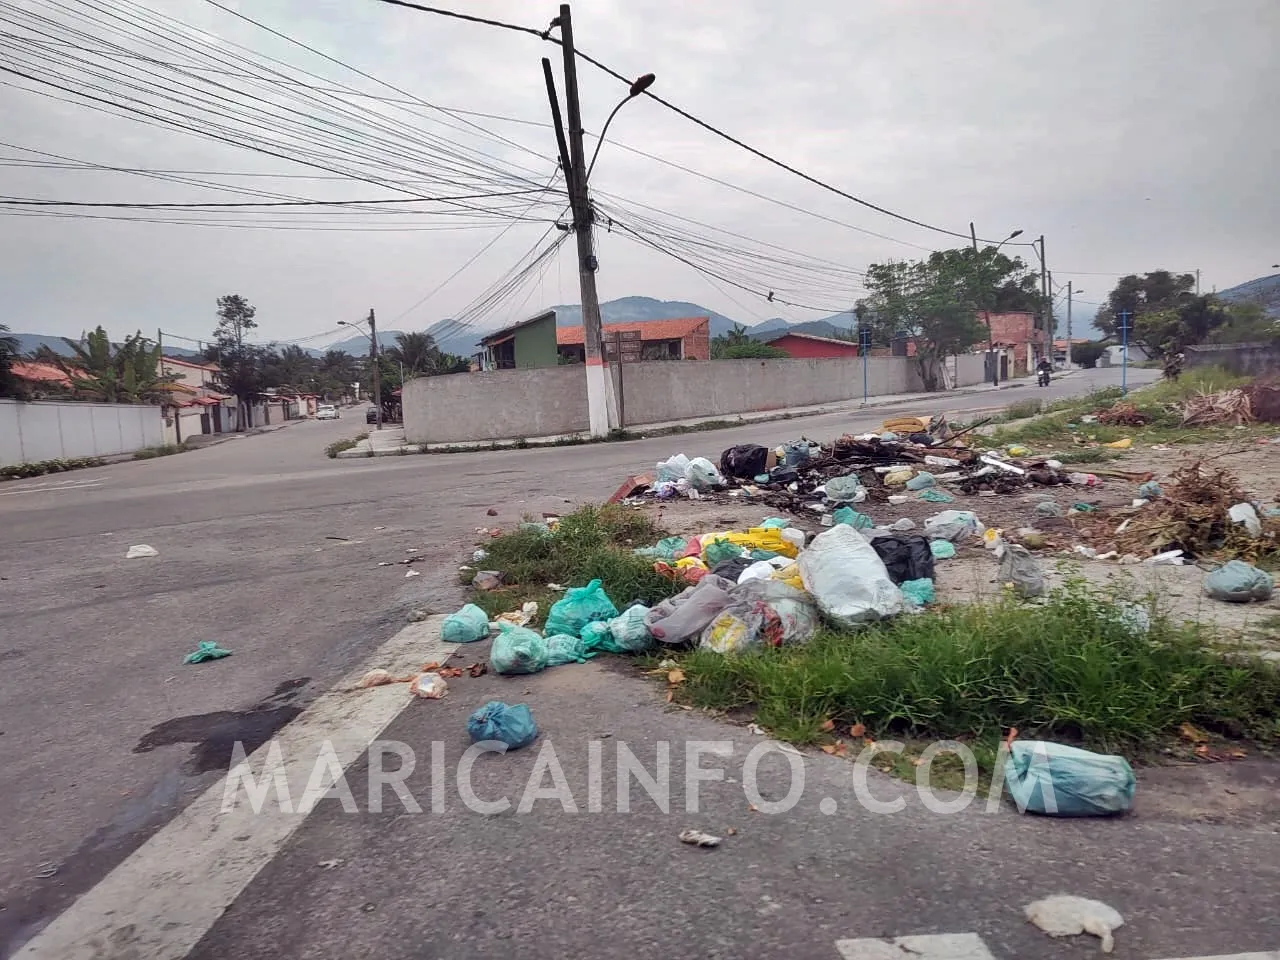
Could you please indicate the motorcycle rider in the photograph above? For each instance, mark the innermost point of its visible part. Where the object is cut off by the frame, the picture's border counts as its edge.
(1044, 371)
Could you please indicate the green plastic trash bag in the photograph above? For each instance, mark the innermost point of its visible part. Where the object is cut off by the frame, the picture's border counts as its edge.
(668, 548)
(625, 633)
(919, 593)
(466, 626)
(942, 549)
(1046, 509)
(936, 496)
(922, 481)
(847, 489)
(562, 649)
(578, 607)
(1239, 582)
(852, 518)
(207, 650)
(517, 650)
(1063, 781)
(775, 523)
(1150, 491)
(718, 551)
(499, 721)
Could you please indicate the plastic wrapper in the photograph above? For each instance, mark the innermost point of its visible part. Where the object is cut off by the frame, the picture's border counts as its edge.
(429, 686)
(845, 489)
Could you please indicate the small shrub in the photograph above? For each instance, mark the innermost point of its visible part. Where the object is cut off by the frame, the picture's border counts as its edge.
(1023, 409)
(21, 471)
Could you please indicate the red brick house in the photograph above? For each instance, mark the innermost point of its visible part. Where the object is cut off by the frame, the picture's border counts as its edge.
(687, 338)
(808, 346)
(1014, 335)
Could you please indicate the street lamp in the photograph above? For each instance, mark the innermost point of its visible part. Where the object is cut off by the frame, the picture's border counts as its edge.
(986, 311)
(640, 86)
(373, 353)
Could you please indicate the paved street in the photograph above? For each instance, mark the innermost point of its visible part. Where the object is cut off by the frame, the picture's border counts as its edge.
(105, 736)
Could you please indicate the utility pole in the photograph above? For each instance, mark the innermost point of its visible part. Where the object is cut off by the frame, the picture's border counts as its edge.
(1048, 301)
(602, 403)
(1069, 294)
(1053, 322)
(377, 367)
(1197, 281)
(986, 312)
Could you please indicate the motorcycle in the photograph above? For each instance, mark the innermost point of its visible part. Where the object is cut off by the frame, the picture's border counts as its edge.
(1043, 378)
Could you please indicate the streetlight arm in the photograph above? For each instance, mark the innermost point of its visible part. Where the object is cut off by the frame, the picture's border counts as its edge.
(637, 88)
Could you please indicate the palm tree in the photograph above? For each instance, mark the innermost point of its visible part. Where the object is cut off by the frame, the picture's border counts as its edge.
(417, 352)
(8, 353)
(129, 373)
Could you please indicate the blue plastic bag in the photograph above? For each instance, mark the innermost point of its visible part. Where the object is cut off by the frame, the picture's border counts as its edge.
(466, 626)
(920, 592)
(850, 516)
(496, 720)
(562, 649)
(1063, 781)
(1239, 582)
(517, 650)
(578, 607)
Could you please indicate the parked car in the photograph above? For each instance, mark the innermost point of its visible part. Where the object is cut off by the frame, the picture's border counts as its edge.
(371, 415)
(327, 411)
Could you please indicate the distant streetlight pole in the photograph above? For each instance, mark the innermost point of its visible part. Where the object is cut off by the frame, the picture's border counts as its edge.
(1069, 295)
(986, 310)
(372, 334)
(602, 402)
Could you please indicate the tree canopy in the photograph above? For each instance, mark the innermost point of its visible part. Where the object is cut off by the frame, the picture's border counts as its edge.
(8, 353)
(737, 344)
(128, 373)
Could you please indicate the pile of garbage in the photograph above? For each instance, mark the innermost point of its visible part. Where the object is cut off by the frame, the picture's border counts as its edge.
(804, 477)
(1259, 402)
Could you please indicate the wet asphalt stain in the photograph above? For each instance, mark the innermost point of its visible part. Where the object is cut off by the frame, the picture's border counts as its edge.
(212, 735)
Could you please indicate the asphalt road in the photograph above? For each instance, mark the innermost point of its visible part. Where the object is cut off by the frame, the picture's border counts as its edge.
(105, 734)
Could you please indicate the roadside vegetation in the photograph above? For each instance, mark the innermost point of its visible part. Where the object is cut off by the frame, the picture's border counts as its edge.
(20, 471)
(164, 450)
(335, 448)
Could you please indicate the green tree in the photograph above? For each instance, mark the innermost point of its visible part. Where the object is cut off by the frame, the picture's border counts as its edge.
(1088, 354)
(290, 367)
(9, 386)
(128, 373)
(736, 338)
(1245, 322)
(936, 302)
(417, 352)
(241, 364)
(1149, 293)
(752, 350)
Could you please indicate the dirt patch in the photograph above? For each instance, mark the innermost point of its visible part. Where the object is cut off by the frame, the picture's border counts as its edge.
(1238, 793)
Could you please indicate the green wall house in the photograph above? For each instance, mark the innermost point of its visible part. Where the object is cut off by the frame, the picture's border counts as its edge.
(521, 346)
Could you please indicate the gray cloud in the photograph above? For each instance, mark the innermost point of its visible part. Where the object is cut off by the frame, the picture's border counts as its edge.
(1134, 136)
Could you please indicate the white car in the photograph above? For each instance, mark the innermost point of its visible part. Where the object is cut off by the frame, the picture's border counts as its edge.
(327, 411)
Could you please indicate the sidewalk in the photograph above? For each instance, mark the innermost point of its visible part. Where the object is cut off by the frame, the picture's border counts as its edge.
(391, 442)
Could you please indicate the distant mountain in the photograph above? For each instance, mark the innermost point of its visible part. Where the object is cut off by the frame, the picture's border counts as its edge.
(29, 343)
(358, 346)
(641, 309)
(1265, 291)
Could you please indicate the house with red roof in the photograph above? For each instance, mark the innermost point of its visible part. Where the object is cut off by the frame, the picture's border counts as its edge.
(685, 338)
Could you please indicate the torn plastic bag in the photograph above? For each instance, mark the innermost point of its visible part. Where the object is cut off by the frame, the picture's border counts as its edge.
(953, 525)
(578, 607)
(675, 468)
(906, 556)
(703, 475)
(845, 489)
(733, 569)
(517, 650)
(1019, 568)
(745, 461)
(1063, 781)
(466, 626)
(625, 633)
(922, 481)
(851, 517)
(512, 725)
(728, 632)
(1239, 582)
(847, 578)
(919, 593)
(763, 569)
(718, 551)
(779, 614)
(668, 548)
(563, 648)
(682, 617)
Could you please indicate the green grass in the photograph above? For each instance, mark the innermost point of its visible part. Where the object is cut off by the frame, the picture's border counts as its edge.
(589, 544)
(1068, 669)
(39, 468)
(164, 450)
(338, 446)
(1022, 409)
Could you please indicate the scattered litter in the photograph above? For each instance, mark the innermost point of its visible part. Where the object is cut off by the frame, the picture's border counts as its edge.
(512, 725)
(1048, 508)
(1150, 490)
(851, 517)
(468, 625)
(578, 607)
(207, 650)
(936, 496)
(942, 549)
(518, 650)
(412, 573)
(1171, 558)
(1124, 444)
(921, 481)
(487, 580)
(847, 578)
(756, 730)
(562, 648)
(416, 616)
(1239, 582)
(1065, 781)
(1015, 450)
(521, 617)
(376, 678)
(1067, 916)
(1082, 507)
(897, 478)
(47, 871)
(697, 838)
(1244, 514)
(847, 489)
(139, 550)
(430, 686)
(919, 593)
(330, 864)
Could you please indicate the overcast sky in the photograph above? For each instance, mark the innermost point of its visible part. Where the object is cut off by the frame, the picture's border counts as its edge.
(1133, 135)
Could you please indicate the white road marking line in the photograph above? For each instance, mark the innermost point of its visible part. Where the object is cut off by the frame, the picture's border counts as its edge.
(55, 487)
(964, 946)
(171, 890)
(937, 946)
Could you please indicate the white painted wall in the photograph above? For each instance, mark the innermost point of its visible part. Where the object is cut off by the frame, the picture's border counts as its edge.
(53, 430)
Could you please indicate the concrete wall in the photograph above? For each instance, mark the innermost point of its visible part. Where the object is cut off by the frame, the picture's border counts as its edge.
(1244, 359)
(53, 430)
(499, 404)
(507, 404)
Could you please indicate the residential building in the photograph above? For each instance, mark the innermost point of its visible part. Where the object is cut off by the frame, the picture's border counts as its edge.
(1018, 342)
(41, 376)
(524, 345)
(810, 346)
(686, 338)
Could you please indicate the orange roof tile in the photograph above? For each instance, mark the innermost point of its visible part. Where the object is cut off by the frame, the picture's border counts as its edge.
(40, 372)
(649, 329)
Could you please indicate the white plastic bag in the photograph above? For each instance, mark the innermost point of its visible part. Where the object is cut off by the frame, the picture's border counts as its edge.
(676, 468)
(847, 578)
(703, 475)
(953, 525)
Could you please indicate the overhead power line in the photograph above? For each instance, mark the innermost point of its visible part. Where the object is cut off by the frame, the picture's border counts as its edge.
(29, 202)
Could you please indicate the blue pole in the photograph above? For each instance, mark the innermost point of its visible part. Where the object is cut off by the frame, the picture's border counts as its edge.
(864, 376)
(1124, 358)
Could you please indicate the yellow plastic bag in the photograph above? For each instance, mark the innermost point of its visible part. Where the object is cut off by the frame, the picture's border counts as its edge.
(790, 575)
(1017, 450)
(757, 538)
(1124, 444)
(898, 478)
(728, 633)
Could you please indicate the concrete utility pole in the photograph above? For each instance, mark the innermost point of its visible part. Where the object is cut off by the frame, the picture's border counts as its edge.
(1048, 300)
(1069, 295)
(602, 402)
(991, 346)
(377, 367)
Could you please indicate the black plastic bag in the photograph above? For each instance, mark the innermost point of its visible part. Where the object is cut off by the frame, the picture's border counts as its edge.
(745, 461)
(906, 556)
